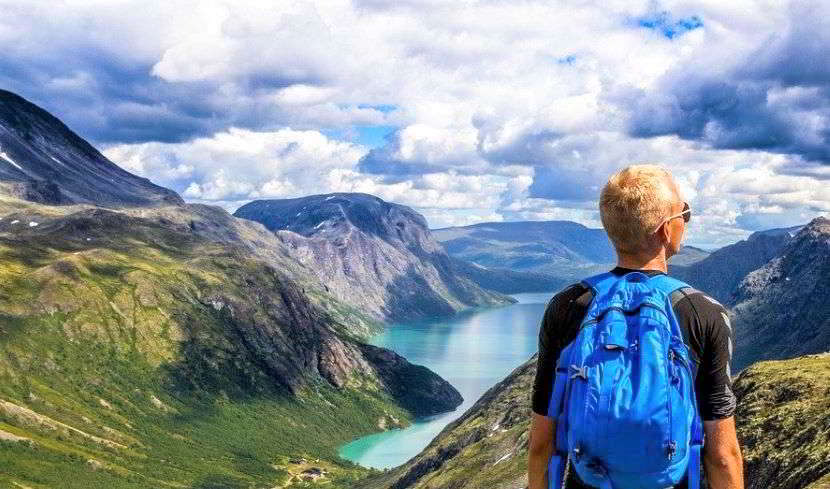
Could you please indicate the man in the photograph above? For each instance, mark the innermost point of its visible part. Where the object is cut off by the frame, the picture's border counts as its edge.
(645, 217)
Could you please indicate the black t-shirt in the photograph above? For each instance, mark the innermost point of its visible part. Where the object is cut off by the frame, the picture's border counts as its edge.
(706, 330)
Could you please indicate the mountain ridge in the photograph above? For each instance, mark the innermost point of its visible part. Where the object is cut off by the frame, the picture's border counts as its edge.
(42, 160)
(371, 253)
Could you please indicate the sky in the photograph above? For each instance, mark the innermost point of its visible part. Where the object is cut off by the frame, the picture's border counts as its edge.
(467, 111)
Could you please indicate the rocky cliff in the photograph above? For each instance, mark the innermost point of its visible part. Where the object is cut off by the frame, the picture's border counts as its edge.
(719, 273)
(376, 255)
(781, 309)
(42, 160)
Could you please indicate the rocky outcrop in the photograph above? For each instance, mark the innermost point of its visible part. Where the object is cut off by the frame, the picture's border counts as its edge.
(781, 309)
(415, 387)
(719, 273)
(42, 160)
(375, 255)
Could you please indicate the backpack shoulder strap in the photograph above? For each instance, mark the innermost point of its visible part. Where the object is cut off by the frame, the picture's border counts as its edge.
(600, 283)
(666, 283)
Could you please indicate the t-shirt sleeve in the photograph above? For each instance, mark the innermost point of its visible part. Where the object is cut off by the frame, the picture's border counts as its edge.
(543, 382)
(551, 336)
(714, 382)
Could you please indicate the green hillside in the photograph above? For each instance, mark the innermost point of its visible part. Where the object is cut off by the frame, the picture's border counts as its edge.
(155, 349)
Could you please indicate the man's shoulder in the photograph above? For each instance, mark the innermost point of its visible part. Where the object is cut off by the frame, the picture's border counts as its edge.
(711, 315)
(698, 300)
(567, 295)
(562, 301)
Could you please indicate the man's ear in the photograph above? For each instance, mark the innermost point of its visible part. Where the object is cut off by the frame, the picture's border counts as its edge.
(664, 233)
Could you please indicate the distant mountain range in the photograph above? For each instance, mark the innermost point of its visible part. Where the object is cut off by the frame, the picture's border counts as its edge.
(554, 253)
(374, 255)
(42, 160)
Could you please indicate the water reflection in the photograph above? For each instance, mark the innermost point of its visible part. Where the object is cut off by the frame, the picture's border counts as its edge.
(472, 350)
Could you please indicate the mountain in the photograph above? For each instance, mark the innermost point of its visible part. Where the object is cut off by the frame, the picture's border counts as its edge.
(153, 347)
(781, 420)
(42, 160)
(781, 309)
(688, 255)
(508, 281)
(375, 255)
(719, 273)
(149, 343)
(539, 246)
(531, 256)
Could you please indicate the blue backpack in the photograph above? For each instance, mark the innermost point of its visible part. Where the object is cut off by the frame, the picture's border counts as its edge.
(623, 395)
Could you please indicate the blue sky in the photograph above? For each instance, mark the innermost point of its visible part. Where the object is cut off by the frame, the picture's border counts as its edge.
(466, 110)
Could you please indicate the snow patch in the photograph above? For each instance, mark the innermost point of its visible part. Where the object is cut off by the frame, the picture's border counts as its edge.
(15, 221)
(329, 197)
(32, 224)
(8, 158)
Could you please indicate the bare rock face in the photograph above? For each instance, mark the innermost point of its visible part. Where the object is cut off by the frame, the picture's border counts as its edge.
(42, 160)
(781, 308)
(719, 273)
(374, 254)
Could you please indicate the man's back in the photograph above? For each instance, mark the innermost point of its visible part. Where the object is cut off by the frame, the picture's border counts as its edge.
(706, 330)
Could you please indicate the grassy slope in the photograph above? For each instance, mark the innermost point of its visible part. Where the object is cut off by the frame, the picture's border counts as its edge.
(782, 419)
(117, 371)
(784, 422)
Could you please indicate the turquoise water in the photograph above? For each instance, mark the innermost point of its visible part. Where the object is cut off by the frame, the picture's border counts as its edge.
(472, 350)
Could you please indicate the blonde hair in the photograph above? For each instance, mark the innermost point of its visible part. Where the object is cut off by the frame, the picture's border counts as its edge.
(632, 205)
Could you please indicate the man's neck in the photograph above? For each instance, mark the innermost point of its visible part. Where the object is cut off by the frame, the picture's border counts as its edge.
(656, 263)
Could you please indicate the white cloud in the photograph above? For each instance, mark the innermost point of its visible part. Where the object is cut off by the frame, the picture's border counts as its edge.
(503, 110)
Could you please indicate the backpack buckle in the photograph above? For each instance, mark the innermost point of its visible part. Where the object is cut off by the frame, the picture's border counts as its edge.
(581, 372)
(671, 449)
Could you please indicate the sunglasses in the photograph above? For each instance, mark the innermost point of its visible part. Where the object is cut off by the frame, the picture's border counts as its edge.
(686, 213)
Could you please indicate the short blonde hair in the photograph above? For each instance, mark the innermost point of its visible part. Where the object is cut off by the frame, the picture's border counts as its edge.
(633, 203)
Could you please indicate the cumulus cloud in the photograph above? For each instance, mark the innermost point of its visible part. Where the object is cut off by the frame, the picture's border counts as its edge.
(494, 109)
(771, 94)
